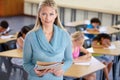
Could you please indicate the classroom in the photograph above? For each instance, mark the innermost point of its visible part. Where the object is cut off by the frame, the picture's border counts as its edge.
(59, 40)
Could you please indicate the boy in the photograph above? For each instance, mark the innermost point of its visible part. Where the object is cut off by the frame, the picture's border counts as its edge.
(93, 26)
(4, 29)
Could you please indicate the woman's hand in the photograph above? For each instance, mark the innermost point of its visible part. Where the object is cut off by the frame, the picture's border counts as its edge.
(58, 72)
(42, 72)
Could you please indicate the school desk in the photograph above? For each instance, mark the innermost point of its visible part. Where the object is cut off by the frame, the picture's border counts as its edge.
(16, 53)
(113, 51)
(5, 39)
(75, 71)
(78, 71)
(108, 30)
(74, 24)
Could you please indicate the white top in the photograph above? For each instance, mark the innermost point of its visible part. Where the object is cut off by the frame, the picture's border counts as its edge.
(18, 61)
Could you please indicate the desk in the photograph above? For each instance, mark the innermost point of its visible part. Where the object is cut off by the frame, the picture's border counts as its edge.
(113, 52)
(14, 37)
(74, 24)
(78, 71)
(116, 26)
(108, 30)
(6, 40)
(17, 53)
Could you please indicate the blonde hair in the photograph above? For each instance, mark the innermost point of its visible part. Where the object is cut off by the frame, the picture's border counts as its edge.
(49, 3)
(77, 36)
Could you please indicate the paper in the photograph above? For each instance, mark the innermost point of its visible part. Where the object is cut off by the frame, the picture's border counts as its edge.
(102, 30)
(82, 63)
(90, 50)
(112, 46)
(85, 31)
(87, 63)
(48, 65)
(86, 38)
(6, 37)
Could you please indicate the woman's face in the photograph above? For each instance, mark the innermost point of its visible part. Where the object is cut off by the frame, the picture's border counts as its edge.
(47, 15)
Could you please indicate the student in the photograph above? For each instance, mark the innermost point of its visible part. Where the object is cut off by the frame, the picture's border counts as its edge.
(47, 42)
(20, 43)
(93, 26)
(103, 41)
(78, 40)
(4, 29)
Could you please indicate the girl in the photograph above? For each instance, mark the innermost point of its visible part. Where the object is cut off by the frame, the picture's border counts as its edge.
(19, 44)
(103, 41)
(78, 40)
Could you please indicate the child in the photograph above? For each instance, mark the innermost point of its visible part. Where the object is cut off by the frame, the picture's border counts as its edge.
(78, 40)
(19, 44)
(103, 41)
(93, 26)
(4, 29)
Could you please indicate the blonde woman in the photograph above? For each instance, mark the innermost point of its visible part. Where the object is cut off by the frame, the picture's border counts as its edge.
(47, 42)
(78, 40)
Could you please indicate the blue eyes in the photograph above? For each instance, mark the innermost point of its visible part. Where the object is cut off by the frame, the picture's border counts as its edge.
(47, 14)
(43, 13)
(51, 14)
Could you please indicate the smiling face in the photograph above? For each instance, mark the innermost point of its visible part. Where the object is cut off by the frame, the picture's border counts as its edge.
(47, 16)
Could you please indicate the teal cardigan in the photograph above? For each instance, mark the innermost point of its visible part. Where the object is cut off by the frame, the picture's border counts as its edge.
(37, 48)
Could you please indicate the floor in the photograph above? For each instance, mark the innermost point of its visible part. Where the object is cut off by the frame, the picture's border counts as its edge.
(16, 23)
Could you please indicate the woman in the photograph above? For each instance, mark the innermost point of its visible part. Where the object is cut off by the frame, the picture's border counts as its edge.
(78, 41)
(47, 42)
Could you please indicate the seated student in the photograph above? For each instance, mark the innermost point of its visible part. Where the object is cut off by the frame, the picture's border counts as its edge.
(103, 41)
(19, 44)
(4, 29)
(78, 40)
(93, 26)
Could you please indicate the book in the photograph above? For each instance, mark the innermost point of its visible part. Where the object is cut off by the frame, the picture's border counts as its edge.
(90, 50)
(112, 46)
(48, 65)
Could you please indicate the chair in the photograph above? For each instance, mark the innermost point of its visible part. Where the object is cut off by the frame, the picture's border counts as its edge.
(81, 27)
(11, 45)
